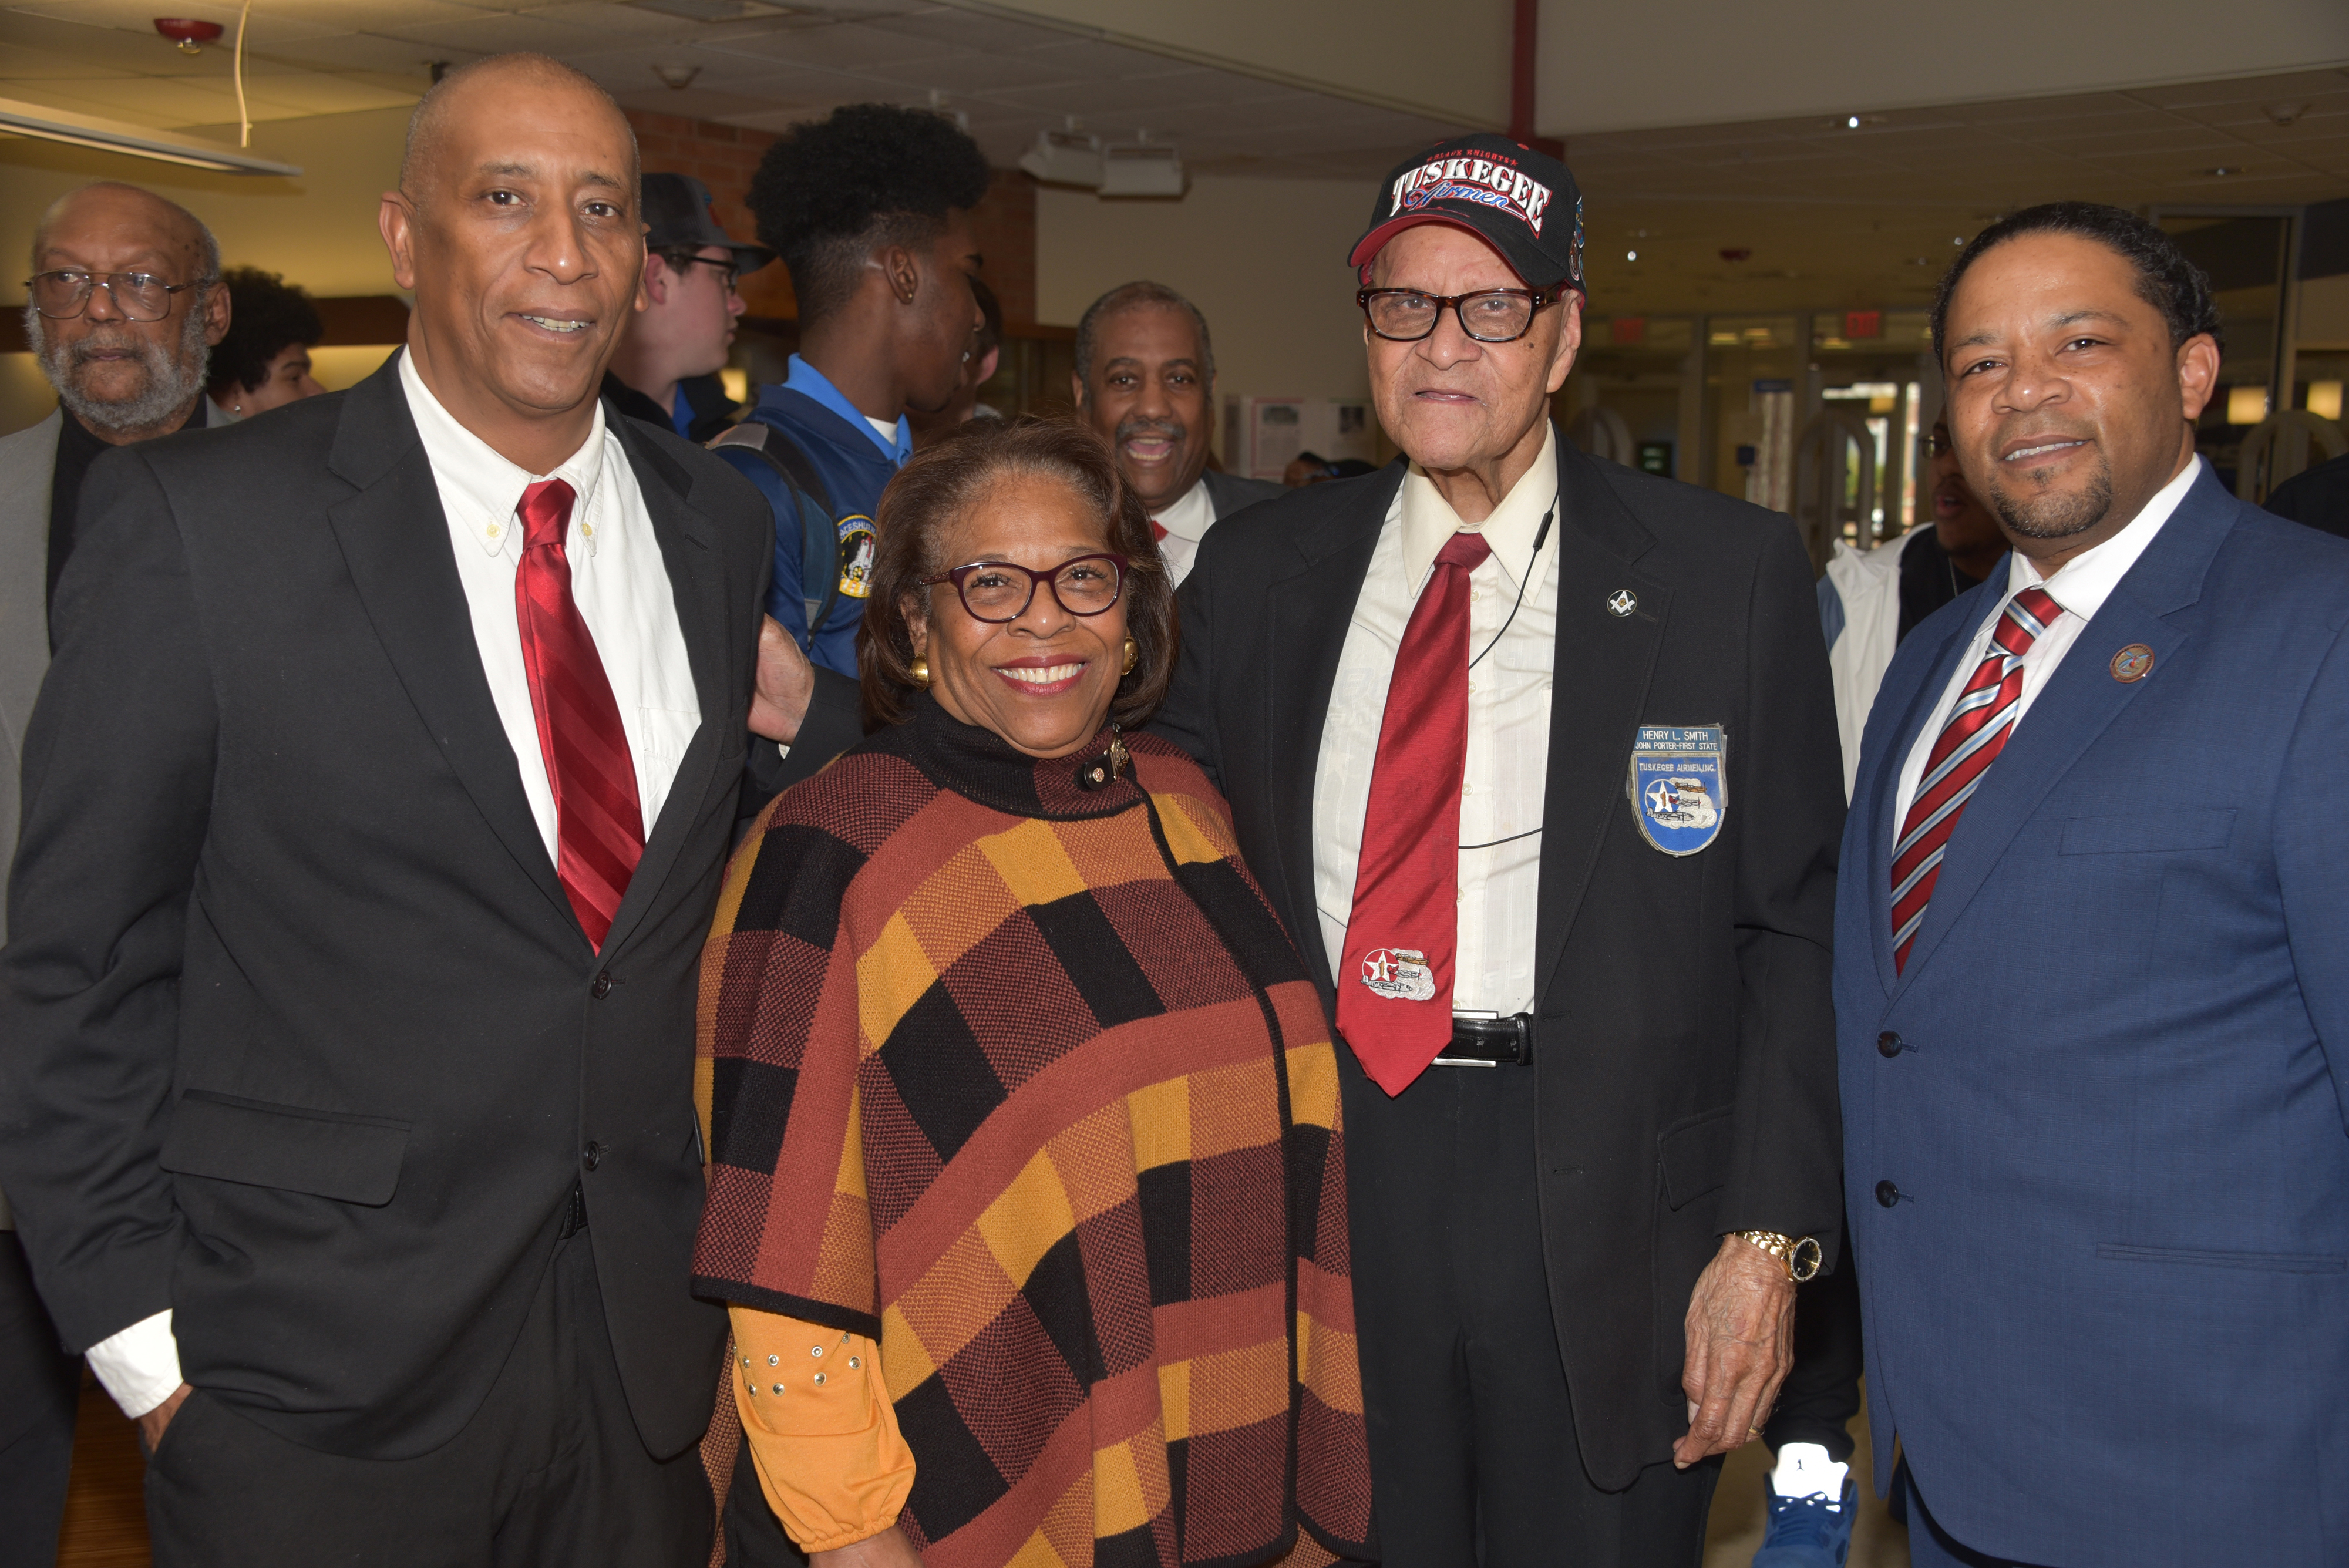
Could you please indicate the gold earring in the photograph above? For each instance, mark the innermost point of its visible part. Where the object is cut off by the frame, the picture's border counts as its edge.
(1133, 653)
(919, 670)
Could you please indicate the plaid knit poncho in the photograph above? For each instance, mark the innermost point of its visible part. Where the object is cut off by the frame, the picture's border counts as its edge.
(1025, 1081)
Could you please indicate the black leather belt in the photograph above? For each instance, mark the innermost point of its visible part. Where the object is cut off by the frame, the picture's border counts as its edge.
(1490, 1041)
(574, 1214)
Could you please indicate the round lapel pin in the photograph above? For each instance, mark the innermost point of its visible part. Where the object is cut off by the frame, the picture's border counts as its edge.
(2132, 663)
(1623, 602)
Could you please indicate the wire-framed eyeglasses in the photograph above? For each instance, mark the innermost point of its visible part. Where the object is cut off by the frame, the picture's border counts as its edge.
(1487, 316)
(1000, 591)
(65, 293)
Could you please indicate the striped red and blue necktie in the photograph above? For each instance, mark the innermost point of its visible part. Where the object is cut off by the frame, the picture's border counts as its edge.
(599, 830)
(1977, 731)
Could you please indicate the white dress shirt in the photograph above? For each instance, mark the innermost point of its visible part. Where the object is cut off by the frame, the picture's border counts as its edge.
(1508, 727)
(1187, 520)
(2080, 586)
(620, 584)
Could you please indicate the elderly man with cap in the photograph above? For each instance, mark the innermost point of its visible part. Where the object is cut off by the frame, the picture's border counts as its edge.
(1145, 379)
(665, 371)
(1545, 780)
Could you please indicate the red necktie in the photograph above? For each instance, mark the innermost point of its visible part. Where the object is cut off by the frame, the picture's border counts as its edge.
(1157, 530)
(1963, 751)
(599, 830)
(1394, 986)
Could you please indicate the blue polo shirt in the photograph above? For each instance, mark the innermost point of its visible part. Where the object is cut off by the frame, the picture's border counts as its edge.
(856, 463)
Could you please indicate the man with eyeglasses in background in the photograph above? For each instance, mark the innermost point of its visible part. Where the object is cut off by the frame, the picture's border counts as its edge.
(665, 371)
(1542, 772)
(124, 311)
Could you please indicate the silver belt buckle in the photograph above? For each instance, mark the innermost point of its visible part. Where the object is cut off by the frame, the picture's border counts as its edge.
(1480, 1013)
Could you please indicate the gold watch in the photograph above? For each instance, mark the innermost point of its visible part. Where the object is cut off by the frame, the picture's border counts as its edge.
(1802, 1256)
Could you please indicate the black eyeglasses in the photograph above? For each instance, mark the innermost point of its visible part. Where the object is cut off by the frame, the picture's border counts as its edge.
(1000, 591)
(729, 272)
(138, 296)
(1488, 316)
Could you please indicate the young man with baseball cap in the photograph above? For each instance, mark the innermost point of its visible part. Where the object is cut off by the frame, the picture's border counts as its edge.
(665, 371)
(1547, 782)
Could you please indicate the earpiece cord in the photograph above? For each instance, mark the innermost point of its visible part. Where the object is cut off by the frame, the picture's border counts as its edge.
(1541, 537)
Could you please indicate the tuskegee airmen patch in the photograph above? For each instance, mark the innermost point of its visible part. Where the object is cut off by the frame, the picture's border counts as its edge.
(1680, 784)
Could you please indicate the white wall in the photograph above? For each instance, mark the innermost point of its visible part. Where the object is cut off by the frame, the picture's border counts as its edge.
(1264, 259)
(1628, 67)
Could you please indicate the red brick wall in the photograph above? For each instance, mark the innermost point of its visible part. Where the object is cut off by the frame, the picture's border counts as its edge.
(724, 157)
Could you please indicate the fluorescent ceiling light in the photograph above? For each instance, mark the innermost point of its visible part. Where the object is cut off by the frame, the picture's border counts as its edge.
(48, 124)
(1144, 169)
(1064, 158)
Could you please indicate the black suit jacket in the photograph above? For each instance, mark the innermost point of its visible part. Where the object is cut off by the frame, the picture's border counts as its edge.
(298, 1033)
(1684, 1049)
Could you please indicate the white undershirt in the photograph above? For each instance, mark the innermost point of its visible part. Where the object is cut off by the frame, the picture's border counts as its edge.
(2080, 586)
(1508, 729)
(620, 584)
(1187, 520)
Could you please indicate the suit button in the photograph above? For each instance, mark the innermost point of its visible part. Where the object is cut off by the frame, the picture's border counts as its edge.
(592, 1155)
(602, 988)
(1888, 1044)
(1887, 1194)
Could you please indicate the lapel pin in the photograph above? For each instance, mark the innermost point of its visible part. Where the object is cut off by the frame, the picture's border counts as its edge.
(1623, 602)
(2132, 663)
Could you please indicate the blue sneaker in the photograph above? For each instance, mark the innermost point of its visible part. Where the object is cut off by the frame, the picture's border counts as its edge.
(1808, 1531)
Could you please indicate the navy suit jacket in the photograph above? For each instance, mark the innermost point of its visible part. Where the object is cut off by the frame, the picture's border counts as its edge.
(2097, 1144)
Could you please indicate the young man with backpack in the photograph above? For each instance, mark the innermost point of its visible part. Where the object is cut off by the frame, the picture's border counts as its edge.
(870, 210)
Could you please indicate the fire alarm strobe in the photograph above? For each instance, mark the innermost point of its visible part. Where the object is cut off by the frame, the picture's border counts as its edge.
(190, 33)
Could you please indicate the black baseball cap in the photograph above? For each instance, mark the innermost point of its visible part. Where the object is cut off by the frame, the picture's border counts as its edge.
(677, 208)
(1522, 203)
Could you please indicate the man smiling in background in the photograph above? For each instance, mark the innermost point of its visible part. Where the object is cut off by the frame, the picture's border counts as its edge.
(1145, 379)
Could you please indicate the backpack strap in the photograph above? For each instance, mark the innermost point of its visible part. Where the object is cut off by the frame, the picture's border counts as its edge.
(819, 547)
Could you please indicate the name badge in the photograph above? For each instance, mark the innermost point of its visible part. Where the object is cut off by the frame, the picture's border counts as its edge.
(1680, 784)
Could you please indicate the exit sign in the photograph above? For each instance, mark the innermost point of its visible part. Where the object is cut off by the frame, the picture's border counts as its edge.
(1863, 324)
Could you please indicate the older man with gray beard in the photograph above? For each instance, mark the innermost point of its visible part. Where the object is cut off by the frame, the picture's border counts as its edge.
(125, 309)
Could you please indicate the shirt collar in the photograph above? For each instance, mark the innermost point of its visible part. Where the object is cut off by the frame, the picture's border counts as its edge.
(1428, 520)
(2083, 583)
(810, 382)
(1190, 515)
(487, 488)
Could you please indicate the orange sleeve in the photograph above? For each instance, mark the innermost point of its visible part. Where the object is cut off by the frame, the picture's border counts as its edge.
(822, 1432)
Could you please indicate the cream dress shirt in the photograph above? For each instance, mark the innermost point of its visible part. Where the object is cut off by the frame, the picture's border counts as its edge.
(621, 586)
(1508, 727)
(2080, 586)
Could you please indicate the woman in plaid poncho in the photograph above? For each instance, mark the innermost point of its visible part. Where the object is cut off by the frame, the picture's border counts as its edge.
(1026, 1178)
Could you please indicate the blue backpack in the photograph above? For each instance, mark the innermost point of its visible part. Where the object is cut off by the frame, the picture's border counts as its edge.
(825, 553)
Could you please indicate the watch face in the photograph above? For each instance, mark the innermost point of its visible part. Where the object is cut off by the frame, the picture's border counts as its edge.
(1804, 1260)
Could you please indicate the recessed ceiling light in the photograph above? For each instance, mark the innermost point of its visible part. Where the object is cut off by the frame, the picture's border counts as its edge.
(1920, 261)
(1855, 121)
(676, 76)
(2285, 113)
(2223, 170)
(1630, 256)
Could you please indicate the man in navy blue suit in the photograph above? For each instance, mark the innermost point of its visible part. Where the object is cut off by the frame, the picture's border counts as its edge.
(2092, 959)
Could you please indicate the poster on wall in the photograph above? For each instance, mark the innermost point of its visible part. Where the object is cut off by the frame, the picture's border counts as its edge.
(1267, 433)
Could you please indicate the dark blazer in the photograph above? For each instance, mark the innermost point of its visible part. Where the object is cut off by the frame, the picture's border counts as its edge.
(2106, 1276)
(298, 1034)
(1683, 1052)
(1229, 493)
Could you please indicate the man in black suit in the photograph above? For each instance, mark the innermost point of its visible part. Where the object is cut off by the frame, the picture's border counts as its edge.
(1537, 757)
(373, 808)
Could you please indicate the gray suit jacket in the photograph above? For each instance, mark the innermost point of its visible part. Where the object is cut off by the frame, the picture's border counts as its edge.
(28, 461)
